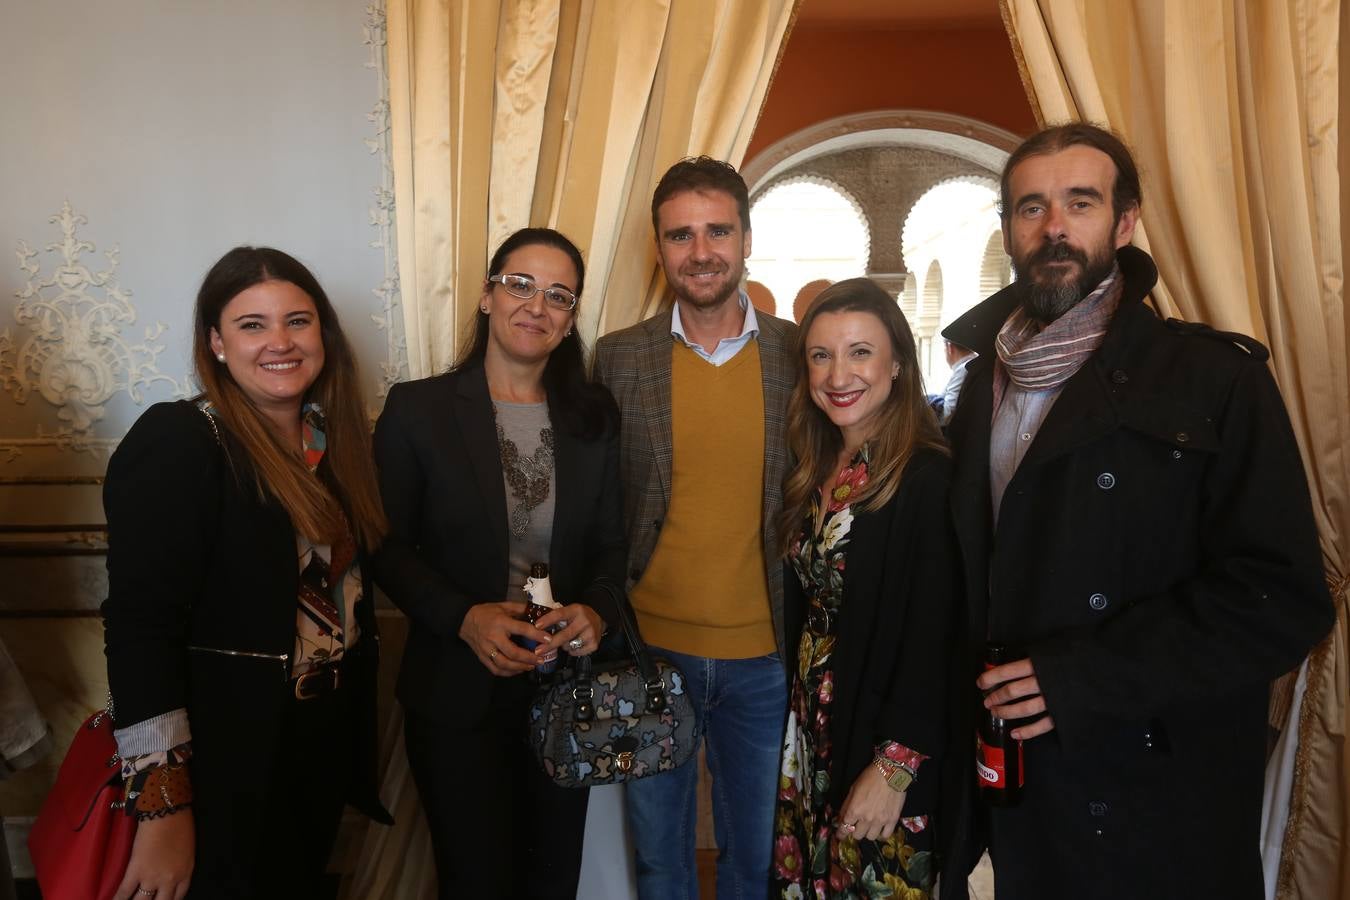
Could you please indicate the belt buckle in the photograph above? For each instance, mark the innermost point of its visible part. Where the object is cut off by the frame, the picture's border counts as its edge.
(316, 683)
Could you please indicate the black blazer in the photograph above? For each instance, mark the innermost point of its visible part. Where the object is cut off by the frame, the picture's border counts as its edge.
(896, 627)
(447, 549)
(198, 564)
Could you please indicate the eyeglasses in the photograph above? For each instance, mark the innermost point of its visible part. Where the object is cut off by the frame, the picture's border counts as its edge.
(522, 287)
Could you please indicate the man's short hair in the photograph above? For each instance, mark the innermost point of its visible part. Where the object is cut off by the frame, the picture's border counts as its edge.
(1125, 193)
(702, 173)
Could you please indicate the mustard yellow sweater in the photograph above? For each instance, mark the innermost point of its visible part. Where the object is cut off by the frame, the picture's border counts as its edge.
(704, 590)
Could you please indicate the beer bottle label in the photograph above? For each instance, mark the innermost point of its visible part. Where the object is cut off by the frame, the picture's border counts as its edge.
(991, 767)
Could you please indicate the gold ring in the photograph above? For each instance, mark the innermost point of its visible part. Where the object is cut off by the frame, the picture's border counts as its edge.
(493, 654)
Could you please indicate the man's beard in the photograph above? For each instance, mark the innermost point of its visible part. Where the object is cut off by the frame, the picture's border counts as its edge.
(1046, 300)
(704, 301)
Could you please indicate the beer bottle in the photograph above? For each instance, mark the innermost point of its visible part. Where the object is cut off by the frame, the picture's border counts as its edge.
(999, 766)
(539, 591)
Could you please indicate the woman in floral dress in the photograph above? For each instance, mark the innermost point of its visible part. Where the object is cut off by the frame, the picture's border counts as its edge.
(869, 542)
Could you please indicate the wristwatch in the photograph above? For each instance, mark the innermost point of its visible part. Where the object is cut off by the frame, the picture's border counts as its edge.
(900, 779)
(898, 776)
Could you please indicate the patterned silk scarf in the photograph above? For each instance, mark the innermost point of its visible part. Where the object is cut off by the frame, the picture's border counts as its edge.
(321, 626)
(1041, 358)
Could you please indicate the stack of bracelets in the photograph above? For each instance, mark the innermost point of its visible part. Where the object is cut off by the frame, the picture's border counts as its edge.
(897, 765)
(161, 788)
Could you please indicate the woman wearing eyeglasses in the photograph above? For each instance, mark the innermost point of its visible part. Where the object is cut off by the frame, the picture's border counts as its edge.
(508, 459)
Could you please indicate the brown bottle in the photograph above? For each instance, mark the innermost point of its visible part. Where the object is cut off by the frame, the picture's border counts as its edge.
(539, 590)
(999, 766)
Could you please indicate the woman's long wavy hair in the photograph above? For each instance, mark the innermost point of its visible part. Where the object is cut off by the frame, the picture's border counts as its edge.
(345, 479)
(578, 405)
(906, 423)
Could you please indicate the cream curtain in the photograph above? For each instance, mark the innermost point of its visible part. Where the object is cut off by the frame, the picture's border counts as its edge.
(565, 113)
(1231, 108)
(562, 113)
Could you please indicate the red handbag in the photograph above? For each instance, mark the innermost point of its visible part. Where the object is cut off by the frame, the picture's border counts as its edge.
(81, 840)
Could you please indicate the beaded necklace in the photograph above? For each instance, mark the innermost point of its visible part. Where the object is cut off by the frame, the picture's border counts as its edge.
(528, 476)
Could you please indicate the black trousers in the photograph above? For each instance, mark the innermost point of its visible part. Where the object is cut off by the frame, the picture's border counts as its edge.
(280, 847)
(499, 827)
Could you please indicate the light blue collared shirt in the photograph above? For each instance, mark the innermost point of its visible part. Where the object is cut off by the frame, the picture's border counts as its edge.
(726, 348)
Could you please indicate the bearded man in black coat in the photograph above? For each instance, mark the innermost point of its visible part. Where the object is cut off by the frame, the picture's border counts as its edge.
(1135, 520)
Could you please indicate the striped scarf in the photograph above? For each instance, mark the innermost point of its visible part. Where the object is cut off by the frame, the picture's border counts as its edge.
(1042, 358)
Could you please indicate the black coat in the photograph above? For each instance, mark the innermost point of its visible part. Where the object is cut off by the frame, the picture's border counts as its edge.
(1156, 555)
(197, 563)
(447, 549)
(896, 626)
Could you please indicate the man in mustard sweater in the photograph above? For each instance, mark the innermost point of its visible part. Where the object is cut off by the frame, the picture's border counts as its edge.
(703, 391)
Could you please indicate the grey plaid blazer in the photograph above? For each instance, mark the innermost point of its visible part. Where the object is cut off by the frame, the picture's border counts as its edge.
(635, 365)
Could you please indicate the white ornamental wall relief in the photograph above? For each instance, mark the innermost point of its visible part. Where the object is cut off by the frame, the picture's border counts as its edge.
(70, 348)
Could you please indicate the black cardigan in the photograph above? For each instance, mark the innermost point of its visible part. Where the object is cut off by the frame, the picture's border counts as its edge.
(896, 627)
(443, 490)
(196, 560)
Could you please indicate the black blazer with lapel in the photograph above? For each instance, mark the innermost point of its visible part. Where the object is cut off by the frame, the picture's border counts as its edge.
(897, 622)
(202, 584)
(447, 549)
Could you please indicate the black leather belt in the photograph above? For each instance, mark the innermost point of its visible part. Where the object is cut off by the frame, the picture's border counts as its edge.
(318, 682)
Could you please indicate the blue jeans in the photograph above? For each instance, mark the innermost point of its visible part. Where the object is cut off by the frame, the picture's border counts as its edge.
(741, 707)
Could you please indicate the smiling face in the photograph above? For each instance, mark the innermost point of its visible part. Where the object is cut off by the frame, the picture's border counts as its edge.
(272, 342)
(851, 367)
(1062, 232)
(703, 247)
(526, 331)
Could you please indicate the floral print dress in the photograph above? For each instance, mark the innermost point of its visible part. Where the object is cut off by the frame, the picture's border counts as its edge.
(810, 861)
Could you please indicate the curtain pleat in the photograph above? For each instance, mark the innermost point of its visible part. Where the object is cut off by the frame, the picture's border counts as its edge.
(1232, 111)
(562, 113)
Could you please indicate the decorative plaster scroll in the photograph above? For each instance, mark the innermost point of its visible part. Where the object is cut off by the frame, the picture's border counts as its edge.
(74, 355)
(394, 368)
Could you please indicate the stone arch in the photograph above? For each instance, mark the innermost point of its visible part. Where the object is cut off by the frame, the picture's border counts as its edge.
(788, 253)
(908, 235)
(829, 184)
(995, 266)
(930, 313)
(950, 226)
(985, 145)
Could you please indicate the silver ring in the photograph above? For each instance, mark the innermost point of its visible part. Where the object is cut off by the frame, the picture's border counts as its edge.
(140, 890)
(576, 643)
(493, 654)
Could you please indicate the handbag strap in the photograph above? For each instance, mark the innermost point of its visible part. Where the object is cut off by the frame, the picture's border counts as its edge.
(583, 692)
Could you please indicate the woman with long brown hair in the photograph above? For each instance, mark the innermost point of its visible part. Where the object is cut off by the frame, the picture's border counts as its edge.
(872, 558)
(240, 633)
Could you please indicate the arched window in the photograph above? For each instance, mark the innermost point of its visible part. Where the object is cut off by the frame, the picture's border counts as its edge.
(805, 230)
(947, 236)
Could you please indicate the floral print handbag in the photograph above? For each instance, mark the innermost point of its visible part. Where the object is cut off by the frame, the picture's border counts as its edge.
(596, 724)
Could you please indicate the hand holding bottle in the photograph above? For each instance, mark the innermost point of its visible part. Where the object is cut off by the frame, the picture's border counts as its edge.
(1012, 692)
